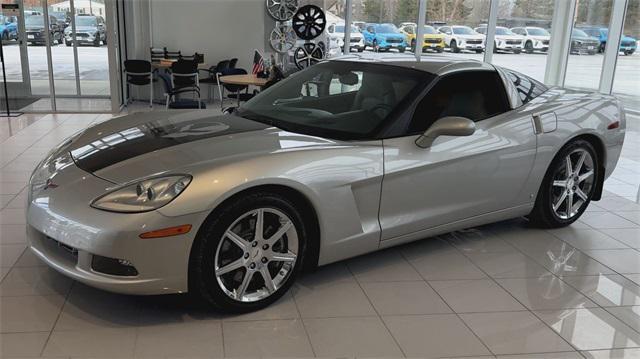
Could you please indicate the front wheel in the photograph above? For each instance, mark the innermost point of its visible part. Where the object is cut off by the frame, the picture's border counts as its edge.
(401, 49)
(413, 45)
(528, 47)
(454, 46)
(568, 186)
(247, 255)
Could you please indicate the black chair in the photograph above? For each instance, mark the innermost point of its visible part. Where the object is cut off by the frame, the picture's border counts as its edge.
(157, 54)
(172, 55)
(211, 78)
(139, 73)
(199, 58)
(235, 90)
(232, 63)
(184, 76)
(172, 95)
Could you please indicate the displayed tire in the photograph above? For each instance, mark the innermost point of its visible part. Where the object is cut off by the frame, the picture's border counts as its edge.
(307, 55)
(282, 38)
(282, 10)
(249, 253)
(568, 186)
(309, 22)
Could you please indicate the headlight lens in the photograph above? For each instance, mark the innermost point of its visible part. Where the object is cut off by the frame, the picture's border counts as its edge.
(143, 196)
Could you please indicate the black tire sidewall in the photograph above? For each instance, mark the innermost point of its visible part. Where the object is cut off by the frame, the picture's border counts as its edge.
(202, 281)
(543, 212)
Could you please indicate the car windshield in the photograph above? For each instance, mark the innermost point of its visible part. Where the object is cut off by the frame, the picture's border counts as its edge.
(579, 33)
(386, 28)
(503, 31)
(59, 15)
(85, 21)
(337, 99)
(534, 31)
(34, 20)
(340, 28)
(429, 30)
(463, 30)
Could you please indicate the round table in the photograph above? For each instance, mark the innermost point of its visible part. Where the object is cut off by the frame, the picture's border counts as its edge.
(248, 79)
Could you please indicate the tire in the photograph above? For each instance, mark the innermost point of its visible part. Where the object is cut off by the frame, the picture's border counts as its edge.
(478, 51)
(439, 50)
(402, 49)
(5, 36)
(550, 210)
(375, 46)
(495, 48)
(211, 247)
(96, 42)
(360, 49)
(413, 45)
(528, 47)
(104, 41)
(68, 43)
(517, 52)
(454, 46)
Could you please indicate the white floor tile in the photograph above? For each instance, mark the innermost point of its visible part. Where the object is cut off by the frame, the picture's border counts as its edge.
(628, 236)
(586, 239)
(620, 260)
(29, 314)
(480, 295)
(548, 292)
(607, 290)
(397, 298)
(433, 336)
(515, 333)
(111, 343)
(384, 266)
(22, 344)
(628, 315)
(184, 340)
(272, 338)
(358, 337)
(613, 354)
(23, 281)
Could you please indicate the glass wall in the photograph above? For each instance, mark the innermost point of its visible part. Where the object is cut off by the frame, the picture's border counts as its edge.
(626, 85)
(588, 40)
(458, 22)
(522, 36)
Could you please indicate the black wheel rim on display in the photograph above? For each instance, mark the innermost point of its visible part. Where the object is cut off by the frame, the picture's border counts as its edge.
(308, 54)
(309, 22)
(282, 10)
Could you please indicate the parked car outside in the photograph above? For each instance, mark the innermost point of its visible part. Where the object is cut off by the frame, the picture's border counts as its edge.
(384, 37)
(359, 24)
(61, 18)
(583, 43)
(433, 40)
(459, 38)
(36, 32)
(8, 28)
(535, 38)
(336, 33)
(627, 44)
(90, 30)
(505, 39)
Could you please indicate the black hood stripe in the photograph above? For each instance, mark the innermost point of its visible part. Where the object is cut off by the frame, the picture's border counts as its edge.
(155, 135)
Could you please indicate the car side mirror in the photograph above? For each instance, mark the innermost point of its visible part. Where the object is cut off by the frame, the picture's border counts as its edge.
(446, 126)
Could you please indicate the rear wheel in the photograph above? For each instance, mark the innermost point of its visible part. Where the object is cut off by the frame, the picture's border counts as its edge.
(249, 254)
(568, 186)
(413, 45)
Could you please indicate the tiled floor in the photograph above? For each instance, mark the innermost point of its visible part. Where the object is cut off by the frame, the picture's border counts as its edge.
(502, 290)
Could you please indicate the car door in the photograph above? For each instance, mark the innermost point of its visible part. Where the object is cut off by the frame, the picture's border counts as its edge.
(457, 178)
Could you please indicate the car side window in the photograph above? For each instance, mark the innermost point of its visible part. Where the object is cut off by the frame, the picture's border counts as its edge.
(528, 88)
(370, 29)
(476, 95)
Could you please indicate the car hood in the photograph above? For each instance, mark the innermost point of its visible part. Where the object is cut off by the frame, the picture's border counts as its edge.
(34, 28)
(541, 37)
(84, 29)
(390, 35)
(470, 37)
(583, 38)
(140, 145)
(627, 38)
(509, 37)
(433, 36)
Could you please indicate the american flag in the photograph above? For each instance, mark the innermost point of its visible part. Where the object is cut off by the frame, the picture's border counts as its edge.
(258, 63)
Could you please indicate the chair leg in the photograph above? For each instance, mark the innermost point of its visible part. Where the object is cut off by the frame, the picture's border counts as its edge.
(151, 95)
(222, 100)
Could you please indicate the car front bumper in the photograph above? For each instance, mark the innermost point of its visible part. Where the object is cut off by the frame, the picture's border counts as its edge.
(68, 235)
(81, 39)
(468, 46)
(509, 47)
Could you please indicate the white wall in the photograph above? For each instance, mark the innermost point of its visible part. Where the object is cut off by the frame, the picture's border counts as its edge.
(220, 29)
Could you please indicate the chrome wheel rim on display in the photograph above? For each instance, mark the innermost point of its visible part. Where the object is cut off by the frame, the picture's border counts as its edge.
(282, 10)
(308, 54)
(572, 184)
(282, 38)
(309, 22)
(256, 255)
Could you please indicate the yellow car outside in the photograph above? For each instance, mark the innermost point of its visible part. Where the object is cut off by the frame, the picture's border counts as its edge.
(433, 40)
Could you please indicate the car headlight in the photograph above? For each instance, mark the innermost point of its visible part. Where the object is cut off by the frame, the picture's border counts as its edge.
(144, 195)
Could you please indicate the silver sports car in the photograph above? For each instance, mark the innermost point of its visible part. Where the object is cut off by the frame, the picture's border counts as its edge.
(346, 157)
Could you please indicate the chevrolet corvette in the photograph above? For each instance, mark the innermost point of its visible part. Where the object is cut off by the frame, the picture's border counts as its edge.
(346, 157)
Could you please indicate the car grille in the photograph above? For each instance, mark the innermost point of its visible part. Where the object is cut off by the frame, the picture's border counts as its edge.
(432, 41)
(627, 43)
(545, 42)
(352, 40)
(63, 247)
(34, 33)
(82, 34)
(394, 41)
(514, 42)
(474, 42)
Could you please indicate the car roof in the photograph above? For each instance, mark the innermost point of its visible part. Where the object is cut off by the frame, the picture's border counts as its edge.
(434, 64)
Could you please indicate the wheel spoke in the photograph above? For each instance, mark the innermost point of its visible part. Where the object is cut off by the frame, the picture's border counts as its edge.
(283, 229)
(283, 257)
(569, 166)
(559, 183)
(259, 225)
(581, 194)
(560, 201)
(585, 175)
(569, 204)
(580, 163)
(238, 263)
(268, 281)
(243, 286)
(239, 241)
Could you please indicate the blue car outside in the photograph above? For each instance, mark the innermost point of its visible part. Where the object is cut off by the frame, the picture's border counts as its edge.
(384, 37)
(8, 28)
(628, 44)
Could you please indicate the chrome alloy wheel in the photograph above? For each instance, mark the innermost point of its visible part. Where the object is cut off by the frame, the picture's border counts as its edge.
(572, 184)
(256, 255)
